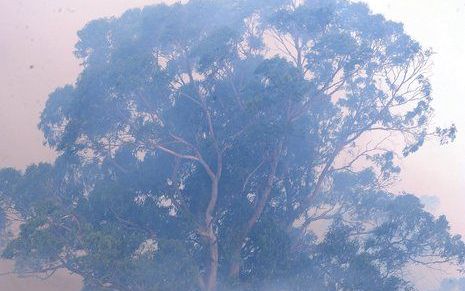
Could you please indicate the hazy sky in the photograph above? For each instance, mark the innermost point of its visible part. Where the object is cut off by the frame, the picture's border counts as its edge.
(436, 170)
(36, 53)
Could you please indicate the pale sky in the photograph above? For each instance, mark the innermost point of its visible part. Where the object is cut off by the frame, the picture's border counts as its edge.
(438, 170)
(36, 51)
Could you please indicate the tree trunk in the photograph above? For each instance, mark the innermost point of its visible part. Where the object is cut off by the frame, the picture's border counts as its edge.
(212, 277)
(213, 272)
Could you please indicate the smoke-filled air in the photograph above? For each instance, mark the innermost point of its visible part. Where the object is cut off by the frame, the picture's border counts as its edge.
(235, 145)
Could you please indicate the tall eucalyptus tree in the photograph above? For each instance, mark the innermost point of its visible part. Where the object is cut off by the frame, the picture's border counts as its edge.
(212, 140)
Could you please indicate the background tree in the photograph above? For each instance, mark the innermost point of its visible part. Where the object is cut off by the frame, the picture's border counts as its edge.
(234, 144)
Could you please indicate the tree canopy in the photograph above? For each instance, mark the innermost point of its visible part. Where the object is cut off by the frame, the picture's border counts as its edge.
(234, 145)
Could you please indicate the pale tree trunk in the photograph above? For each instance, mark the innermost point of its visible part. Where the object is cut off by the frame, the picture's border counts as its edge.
(212, 277)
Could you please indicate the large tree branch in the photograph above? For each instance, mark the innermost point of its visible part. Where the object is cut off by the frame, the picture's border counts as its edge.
(260, 206)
